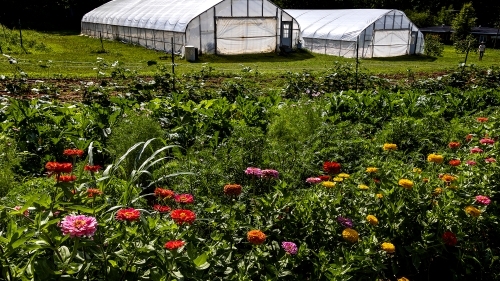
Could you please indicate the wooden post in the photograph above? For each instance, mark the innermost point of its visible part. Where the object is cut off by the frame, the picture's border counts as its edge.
(21, 37)
(173, 62)
(357, 61)
(102, 44)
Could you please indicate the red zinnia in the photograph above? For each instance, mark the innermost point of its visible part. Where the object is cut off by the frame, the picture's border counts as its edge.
(161, 209)
(91, 192)
(469, 137)
(331, 167)
(56, 167)
(324, 177)
(181, 216)
(482, 119)
(73, 152)
(454, 162)
(174, 244)
(449, 238)
(454, 145)
(232, 189)
(184, 198)
(66, 178)
(92, 168)
(129, 214)
(164, 193)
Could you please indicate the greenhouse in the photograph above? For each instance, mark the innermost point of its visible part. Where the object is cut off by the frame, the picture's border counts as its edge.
(211, 26)
(365, 33)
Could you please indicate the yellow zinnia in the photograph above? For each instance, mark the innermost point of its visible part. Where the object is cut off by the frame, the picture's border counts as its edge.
(388, 247)
(371, 170)
(417, 170)
(363, 186)
(406, 183)
(372, 219)
(448, 178)
(390, 146)
(436, 158)
(379, 195)
(343, 175)
(437, 191)
(473, 211)
(338, 179)
(350, 235)
(328, 184)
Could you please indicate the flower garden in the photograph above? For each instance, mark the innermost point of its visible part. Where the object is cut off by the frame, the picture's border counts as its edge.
(347, 185)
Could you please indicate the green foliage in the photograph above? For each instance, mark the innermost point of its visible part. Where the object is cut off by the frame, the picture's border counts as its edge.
(444, 16)
(9, 161)
(433, 46)
(420, 18)
(463, 23)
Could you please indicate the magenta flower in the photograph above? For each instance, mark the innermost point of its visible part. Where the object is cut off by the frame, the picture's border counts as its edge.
(78, 226)
(484, 200)
(470, 162)
(25, 213)
(490, 160)
(289, 247)
(268, 173)
(476, 150)
(252, 171)
(313, 180)
(487, 141)
(184, 198)
(345, 222)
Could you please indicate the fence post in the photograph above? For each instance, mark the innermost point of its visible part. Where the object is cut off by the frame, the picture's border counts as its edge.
(21, 37)
(357, 61)
(102, 44)
(173, 63)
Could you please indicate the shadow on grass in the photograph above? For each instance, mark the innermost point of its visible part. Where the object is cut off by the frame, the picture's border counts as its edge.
(420, 58)
(268, 57)
(61, 32)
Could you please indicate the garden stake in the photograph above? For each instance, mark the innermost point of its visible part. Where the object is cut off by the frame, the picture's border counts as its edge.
(21, 36)
(173, 63)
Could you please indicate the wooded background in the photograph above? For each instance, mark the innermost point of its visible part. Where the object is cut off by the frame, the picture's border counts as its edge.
(66, 14)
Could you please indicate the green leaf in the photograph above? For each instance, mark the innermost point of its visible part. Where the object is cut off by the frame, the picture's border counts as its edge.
(201, 262)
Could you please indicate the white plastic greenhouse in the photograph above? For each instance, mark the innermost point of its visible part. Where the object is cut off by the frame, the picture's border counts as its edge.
(212, 26)
(365, 33)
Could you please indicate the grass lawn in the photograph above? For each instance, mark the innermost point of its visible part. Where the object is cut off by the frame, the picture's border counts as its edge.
(72, 55)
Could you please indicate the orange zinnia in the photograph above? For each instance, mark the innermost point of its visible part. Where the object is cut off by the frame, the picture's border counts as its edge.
(73, 152)
(454, 162)
(129, 214)
(232, 189)
(164, 193)
(256, 237)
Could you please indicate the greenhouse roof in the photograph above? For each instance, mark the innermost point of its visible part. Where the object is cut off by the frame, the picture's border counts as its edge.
(343, 25)
(172, 15)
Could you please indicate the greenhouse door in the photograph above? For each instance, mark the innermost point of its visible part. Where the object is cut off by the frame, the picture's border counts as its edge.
(286, 33)
(245, 35)
(413, 42)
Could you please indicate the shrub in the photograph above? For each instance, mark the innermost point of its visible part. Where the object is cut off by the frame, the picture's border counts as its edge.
(433, 46)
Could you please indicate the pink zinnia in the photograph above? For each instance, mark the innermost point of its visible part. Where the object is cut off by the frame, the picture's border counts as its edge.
(313, 180)
(184, 198)
(470, 162)
(476, 150)
(490, 160)
(252, 171)
(487, 141)
(78, 226)
(268, 173)
(481, 199)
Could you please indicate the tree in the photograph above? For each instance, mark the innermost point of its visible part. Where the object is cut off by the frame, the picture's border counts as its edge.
(462, 24)
(444, 16)
(420, 19)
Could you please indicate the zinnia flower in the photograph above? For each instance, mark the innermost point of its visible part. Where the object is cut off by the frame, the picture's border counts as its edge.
(388, 247)
(92, 168)
(490, 160)
(91, 192)
(448, 178)
(313, 180)
(436, 158)
(78, 226)
(73, 152)
(324, 177)
(66, 178)
(345, 222)
(403, 279)
(350, 235)
(476, 150)
(161, 209)
(406, 183)
(363, 186)
(390, 146)
(437, 191)
(164, 193)
(372, 219)
(470, 162)
(469, 137)
(252, 171)
(269, 173)
(482, 119)
(256, 237)
(371, 170)
(57, 168)
(487, 141)
(181, 216)
(484, 200)
(417, 170)
(338, 179)
(379, 195)
(184, 198)
(331, 167)
(174, 244)
(473, 211)
(328, 184)
(449, 238)
(343, 175)
(289, 247)
(454, 162)
(128, 214)
(232, 189)
(454, 145)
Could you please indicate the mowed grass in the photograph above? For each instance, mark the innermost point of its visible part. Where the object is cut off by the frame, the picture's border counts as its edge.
(75, 56)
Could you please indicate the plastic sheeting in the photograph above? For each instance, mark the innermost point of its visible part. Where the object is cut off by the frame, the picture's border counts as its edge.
(375, 32)
(245, 35)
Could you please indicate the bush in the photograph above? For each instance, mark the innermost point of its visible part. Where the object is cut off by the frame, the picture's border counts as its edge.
(433, 46)
(8, 162)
